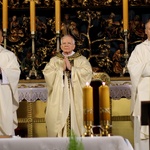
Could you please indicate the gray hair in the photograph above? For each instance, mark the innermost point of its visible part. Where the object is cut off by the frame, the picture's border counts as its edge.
(68, 36)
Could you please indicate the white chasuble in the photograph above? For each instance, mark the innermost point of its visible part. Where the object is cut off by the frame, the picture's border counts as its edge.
(65, 97)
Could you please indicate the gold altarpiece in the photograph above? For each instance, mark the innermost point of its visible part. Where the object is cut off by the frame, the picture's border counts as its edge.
(105, 36)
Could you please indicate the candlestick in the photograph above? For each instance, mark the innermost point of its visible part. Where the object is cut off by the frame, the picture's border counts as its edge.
(125, 15)
(88, 108)
(5, 15)
(125, 27)
(57, 16)
(33, 72)
(88, 102)
(126, 54)
(32, 16)
(104, 101)
(104, 97)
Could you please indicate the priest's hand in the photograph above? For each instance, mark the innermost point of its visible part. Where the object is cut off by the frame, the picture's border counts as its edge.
(67, 62)
(64, 66)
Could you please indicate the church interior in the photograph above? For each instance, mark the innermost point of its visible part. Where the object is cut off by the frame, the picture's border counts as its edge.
(105, 31)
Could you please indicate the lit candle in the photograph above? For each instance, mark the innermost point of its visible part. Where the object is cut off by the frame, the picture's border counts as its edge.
(32, 16)
(125, 15)
(5, 15)
(88, 102)
(57, 16)
(104, 101)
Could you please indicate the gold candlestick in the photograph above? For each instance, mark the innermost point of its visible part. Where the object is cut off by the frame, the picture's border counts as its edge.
(104, 101)
(88, 109)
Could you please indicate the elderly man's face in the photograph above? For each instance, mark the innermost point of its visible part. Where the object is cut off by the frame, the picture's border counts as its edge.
(67, 45)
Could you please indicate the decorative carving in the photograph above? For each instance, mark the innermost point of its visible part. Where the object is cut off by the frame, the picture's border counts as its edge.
(102, 76)
(98, 33)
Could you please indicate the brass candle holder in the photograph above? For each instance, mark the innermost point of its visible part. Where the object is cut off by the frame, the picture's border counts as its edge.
(126, 54)
(104, 109)
(58, 42)
(105, 121)
(88, 122)
(33, 72)
(5, 37)
(106, 127)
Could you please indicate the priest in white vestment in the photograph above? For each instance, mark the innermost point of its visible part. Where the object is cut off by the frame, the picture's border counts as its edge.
(9, 78)
(139, 69)
(66, 74)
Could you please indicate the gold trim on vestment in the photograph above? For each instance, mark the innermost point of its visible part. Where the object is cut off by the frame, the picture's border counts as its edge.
(72, 57)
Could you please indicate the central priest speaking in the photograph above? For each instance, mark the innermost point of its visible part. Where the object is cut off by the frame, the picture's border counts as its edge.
(66, 74)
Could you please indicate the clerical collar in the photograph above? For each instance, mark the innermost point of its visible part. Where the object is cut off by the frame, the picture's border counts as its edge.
(72, 57)
(69, 54)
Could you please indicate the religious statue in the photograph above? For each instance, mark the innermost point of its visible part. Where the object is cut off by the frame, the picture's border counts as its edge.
(69, 27)
(118, 60)
(40, 26)
(104, 61)
(136, 28)
(113, 28)
(15, 30)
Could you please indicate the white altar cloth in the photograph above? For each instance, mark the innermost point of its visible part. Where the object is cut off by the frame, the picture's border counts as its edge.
(33, 93)
(120, 91)
(89, 143)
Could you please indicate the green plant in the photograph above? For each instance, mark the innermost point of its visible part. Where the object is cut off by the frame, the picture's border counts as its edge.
(74, 143)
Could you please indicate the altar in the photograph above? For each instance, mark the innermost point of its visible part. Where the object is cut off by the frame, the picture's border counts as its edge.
(36, 92)
(89, 143)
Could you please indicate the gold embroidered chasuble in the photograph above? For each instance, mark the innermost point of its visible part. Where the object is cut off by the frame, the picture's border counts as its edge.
(65, 94)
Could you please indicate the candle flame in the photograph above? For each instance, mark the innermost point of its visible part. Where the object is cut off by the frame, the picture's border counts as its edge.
(103, 83)
(87, 83)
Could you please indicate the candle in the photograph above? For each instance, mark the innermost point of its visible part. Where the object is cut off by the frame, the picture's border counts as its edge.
(125, 15)
(5, 15)
(57, 16)
(104, 102)
(88, 103)
(32, 16)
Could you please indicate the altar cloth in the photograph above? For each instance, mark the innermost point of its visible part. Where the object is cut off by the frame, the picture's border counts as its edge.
(50, 143)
